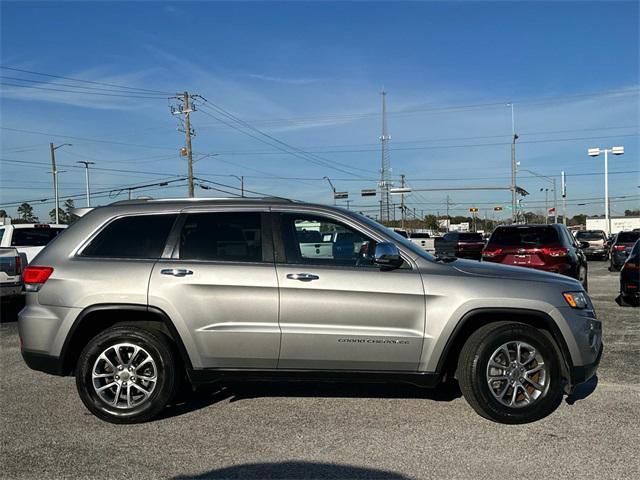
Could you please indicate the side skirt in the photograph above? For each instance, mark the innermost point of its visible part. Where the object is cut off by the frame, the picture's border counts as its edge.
(204, 376)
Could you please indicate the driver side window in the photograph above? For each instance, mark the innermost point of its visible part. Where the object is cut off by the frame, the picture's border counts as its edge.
(316, 240)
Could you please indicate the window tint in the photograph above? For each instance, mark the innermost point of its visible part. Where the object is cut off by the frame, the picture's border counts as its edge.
(420, 235)
(524, 236)
(338, 244)
(232, 237)
(137, 236)
(585, 236)
(627, 237)
(470, 237)
(34, 237)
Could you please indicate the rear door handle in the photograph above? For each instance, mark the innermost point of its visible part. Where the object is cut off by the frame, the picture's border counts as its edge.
(303, 277)
(176, 272)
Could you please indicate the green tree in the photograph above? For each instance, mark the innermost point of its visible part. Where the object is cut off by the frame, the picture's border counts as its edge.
(632, 213)
(62, 216)
(25, 213)
(3, 213)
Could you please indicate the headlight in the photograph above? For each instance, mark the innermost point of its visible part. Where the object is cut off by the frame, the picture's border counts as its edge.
(578, 300)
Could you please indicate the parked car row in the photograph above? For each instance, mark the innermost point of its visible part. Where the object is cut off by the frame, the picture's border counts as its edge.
(19, 244)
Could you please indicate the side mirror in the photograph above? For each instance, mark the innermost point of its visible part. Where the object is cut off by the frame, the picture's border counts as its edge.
(387, 256)
(584, 245)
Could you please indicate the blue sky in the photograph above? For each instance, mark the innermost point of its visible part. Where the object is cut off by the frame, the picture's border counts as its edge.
(310, 74)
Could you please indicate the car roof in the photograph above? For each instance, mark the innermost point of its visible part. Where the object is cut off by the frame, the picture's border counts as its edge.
(37, 225)
(202, 201)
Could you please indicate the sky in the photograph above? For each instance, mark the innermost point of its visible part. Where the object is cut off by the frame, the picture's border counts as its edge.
(309, 75)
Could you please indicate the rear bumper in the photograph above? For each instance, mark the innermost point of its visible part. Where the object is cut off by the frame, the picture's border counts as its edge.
(42, 362)
(10, 289)
(582, 373)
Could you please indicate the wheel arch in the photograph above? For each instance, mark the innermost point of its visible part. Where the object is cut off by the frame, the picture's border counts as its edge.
(479, 317)
(97, 318)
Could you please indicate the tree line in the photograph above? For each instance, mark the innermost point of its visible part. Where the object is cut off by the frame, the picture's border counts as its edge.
(25, 213)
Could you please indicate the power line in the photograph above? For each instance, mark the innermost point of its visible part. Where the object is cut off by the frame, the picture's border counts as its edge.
(84, 81)
(60, 84)
(7, 84)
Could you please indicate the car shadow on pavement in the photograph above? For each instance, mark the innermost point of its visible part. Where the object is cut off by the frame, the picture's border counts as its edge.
(236, 391)
(294, 470)
(583, 390)
(9, 309)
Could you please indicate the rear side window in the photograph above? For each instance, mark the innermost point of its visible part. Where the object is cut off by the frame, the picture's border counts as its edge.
(34, 237)
(137, 236)
(230, 237)
(525, 236)
(628, 237)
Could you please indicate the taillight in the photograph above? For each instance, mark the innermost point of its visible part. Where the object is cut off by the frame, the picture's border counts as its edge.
(35, 277)
(555, 252)
(491, 253)
(619, 248)
(631, 266)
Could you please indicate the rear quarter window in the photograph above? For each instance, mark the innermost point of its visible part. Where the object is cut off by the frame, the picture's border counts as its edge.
(136, 236)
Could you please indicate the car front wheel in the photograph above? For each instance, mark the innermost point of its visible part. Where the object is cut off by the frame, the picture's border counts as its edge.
(510, 373)
(126, 374)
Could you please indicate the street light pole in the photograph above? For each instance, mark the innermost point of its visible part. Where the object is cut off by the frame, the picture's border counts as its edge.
(55, 178)
(514, 137)
(86, 172)
(333, 189)
(546, 204)
(595, 152)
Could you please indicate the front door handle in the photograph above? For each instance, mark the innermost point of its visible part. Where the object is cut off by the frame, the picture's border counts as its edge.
(176, 272)
(303, 277)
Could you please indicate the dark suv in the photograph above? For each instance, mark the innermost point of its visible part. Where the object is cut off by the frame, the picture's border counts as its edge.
(551, 248)
(460, 245)
(630, 279)
(621, 247)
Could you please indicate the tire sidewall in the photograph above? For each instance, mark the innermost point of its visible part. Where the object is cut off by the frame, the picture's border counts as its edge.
(161, 353)
(542, 406)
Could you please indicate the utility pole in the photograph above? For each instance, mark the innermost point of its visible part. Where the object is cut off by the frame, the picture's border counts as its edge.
(385, 168)
(55, 177)
(448, 221)
(402, 207)
(185, 108)
(514, 137)
(86, 175)
(564, 197)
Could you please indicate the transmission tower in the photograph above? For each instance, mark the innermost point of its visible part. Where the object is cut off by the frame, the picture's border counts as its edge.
(385, 168)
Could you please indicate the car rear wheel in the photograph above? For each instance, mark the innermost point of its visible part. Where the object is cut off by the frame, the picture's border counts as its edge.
(126, 374)
(510, 373)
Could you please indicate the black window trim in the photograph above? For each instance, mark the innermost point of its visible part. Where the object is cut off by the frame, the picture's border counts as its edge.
(87, 241)
(279, 247)
(172, 248)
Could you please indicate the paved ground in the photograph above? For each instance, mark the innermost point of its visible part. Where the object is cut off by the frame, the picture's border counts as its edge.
(329, 431)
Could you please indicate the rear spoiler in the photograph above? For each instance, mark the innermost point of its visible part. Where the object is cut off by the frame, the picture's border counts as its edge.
(81, 212)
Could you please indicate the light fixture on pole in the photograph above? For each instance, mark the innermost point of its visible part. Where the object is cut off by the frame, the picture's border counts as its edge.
(55, 177)
(595, 152)
(333, 189)
(86, 172)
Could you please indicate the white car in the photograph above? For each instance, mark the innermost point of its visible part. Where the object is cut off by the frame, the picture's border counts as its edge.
(29, 238)
(11, 266)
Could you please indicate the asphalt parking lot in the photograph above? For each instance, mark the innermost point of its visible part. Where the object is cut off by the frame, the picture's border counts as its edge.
(330, 431)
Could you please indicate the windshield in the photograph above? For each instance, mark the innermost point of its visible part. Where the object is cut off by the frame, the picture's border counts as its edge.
(590, 236)
(627, 237)
(524, 236)
(408, 244)
(33, 237)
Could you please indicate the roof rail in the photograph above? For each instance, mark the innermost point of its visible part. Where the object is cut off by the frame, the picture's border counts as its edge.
(202, 200)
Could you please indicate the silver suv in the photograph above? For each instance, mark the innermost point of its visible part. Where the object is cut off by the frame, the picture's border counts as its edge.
(140, 296)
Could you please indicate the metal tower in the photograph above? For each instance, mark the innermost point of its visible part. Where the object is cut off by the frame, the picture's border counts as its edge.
(385, 168)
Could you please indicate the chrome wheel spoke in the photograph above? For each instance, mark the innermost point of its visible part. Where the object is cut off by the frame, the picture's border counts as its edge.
(512, 384)
(115, 367)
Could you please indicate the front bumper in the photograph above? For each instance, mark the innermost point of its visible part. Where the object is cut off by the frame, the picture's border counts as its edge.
(582, 373)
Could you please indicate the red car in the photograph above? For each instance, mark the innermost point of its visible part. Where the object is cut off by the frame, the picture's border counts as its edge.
(544, 247)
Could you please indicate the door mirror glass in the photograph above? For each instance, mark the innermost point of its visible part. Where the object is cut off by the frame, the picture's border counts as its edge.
(387, 255)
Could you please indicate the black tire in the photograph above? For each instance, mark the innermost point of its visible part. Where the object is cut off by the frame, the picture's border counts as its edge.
(472, 371)
(157, 346)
